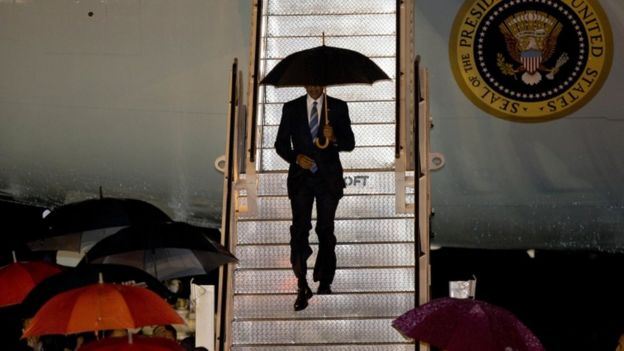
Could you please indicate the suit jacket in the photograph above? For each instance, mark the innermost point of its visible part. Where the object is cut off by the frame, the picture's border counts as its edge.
(293, 138)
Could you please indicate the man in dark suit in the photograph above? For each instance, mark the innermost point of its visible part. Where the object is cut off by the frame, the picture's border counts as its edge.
(314, 173)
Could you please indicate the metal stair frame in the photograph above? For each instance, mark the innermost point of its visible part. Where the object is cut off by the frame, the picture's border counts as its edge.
(249, 204)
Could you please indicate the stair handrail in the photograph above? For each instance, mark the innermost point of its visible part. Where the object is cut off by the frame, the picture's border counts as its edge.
(404, 139)
(240, 159)
(234, 162)
(253, 87)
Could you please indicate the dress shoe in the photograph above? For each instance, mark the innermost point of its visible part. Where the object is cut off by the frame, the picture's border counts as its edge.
(324, 289)
(303, 295)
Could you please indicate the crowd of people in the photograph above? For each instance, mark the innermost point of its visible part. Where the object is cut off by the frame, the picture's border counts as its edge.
(76, 341)
(180, 288)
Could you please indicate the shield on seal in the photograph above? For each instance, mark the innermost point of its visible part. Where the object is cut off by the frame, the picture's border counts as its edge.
(531, 60)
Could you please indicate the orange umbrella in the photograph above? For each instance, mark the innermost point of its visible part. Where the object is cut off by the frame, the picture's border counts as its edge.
(135, 343)
(101, 306)
(19, 278)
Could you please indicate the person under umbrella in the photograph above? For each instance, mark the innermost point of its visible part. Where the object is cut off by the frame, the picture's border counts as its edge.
(165, 331)
(133, 343)
(98, 307)
(313, 174)
(17, 280)
(310, 144)
(88, 274)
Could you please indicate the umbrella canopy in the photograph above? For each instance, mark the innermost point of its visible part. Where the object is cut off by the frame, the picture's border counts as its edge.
(79, 225)
(101, 306)
(165, 250)
(324, 66)
(466, 325)
(20, 222)
(89, 274)
(25, 254)
(19, 278)
(136, 343)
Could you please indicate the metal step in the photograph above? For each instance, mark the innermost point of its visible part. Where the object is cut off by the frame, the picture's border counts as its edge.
(359, 111)
(360, 331)
(349, 255)
(356, 347)
(347, 231)
(330, 7)
(381, 158)
(369, 45)
(375, 278)
(362, 182)
(351, 206)
(263, 307)
(280, 281)
(286, 24)
(365, 135)
(383, 90)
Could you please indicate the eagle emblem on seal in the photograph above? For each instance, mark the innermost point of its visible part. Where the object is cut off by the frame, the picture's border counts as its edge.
(531, 41)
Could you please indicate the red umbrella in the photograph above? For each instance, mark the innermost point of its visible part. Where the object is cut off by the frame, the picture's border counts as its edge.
(101, 306)
(19, 278)
(89, 274)
(466, 325)
(134, 343)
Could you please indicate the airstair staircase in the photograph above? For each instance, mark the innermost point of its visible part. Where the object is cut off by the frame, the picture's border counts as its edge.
(382, 260)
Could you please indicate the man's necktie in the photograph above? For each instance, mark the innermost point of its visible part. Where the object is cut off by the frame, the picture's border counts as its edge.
(314, 126)
(314, 121)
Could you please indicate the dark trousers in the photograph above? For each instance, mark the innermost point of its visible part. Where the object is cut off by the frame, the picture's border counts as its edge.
(301, 205)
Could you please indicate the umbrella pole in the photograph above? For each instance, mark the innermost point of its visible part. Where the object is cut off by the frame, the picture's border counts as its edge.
(326, 110)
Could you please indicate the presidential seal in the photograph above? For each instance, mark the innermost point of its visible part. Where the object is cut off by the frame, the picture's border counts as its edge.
(530, 60)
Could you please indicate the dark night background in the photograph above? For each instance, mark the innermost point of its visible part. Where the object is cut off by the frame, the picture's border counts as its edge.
(571, 300)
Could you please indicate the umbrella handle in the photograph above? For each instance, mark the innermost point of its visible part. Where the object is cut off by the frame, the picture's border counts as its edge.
(319, 145)
(316, 141)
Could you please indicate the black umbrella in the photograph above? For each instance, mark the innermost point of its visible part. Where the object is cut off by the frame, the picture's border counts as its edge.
(165, 250)
(79, 225)
(324, 66)
(88, 274)
(25, 222)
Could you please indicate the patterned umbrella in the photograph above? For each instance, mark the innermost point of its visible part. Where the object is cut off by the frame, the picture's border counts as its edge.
(466, 325)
